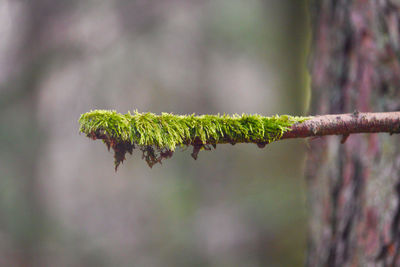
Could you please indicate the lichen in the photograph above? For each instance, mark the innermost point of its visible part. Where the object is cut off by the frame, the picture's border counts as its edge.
(157, 136)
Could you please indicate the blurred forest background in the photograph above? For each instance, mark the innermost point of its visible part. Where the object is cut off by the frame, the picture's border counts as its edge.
(62, 204)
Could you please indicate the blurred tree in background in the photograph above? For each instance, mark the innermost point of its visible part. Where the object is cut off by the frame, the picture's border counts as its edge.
(354, 188)
(61, 203)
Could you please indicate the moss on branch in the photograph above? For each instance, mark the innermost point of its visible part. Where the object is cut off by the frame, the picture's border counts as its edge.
(157, 136)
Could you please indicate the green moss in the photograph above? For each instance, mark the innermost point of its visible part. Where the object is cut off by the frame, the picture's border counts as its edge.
(159, 135)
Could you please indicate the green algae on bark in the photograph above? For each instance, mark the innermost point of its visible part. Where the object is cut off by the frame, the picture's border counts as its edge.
(157, 136)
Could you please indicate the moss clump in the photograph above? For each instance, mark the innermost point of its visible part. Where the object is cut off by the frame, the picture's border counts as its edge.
(159, 135)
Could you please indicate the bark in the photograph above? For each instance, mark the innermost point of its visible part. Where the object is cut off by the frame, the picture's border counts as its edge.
(354, 188)
(346, 124)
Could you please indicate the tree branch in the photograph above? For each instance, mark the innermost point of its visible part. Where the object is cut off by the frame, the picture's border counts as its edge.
(346, 124)
(158, 135)
(336, 124)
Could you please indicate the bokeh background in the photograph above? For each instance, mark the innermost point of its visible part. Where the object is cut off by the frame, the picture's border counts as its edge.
(62, 204)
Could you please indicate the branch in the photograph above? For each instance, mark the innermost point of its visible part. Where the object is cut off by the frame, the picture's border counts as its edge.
(158, 135)
(346, 124)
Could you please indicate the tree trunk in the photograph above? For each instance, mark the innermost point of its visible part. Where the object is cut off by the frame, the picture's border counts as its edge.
(354, 188)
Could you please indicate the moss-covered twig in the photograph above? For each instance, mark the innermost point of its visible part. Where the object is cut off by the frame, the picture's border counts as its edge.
(159, 135)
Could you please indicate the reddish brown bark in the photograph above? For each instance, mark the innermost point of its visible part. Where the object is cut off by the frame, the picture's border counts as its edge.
(345, 124)
(354, 195)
